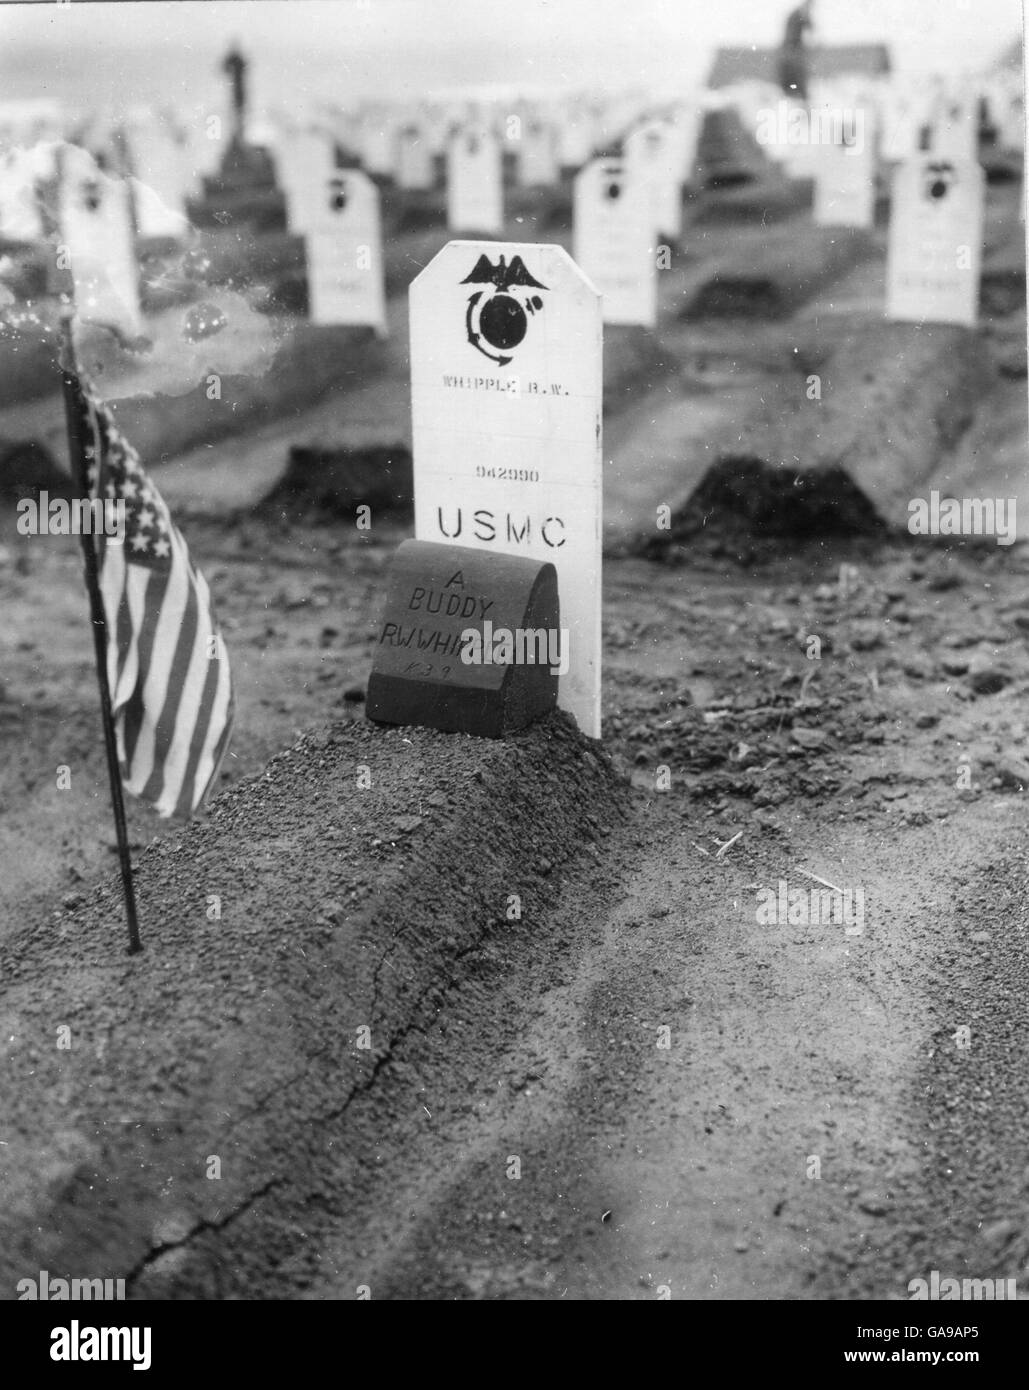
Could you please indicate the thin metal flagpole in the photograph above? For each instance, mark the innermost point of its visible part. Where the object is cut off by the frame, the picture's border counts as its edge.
(77, 453)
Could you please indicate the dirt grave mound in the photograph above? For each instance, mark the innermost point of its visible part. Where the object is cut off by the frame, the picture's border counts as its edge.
(28, 358)
(743, 504)
(26, 469)
(770, 198)
(888, 409)
(728, 155)
(1004, 276)
(784, 501)
(290, 937)
(324, 483)
(771, 278)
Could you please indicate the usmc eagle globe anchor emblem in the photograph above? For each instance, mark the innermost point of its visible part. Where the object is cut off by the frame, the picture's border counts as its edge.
(938, 179)
(500, 315)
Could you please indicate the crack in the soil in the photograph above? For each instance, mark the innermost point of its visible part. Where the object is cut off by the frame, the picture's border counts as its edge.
(359, 1089)
(204, 1224)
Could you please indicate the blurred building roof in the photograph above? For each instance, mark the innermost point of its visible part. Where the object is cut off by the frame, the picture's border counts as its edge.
(839, 60)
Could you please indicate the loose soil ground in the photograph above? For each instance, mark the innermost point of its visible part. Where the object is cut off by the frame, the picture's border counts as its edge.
(634, 1086)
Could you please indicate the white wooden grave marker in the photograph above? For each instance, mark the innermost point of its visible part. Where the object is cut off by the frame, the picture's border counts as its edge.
(96, 229)
(845, 178)
(936, 236)
(415, 168)
(575, 137)
(378, 143)
(475, 199)
(655, 163)
(506, 384)
(537, 155)
(614, 241)
(344, 253)
(304, 163)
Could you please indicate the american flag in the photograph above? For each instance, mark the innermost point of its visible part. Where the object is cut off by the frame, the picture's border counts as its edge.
(171, 689)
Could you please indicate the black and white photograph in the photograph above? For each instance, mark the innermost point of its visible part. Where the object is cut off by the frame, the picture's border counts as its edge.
(514, 671)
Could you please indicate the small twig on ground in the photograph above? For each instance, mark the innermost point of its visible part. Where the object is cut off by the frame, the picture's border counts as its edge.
(825, 882)
(728, 844)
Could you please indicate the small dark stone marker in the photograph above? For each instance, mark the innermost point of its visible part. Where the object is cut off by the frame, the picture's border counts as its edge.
(436, 593)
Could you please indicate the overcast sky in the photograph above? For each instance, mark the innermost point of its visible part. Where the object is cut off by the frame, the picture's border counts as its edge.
(132, 50)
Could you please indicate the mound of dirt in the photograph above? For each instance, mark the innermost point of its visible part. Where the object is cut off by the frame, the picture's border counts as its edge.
(888, 408)
(326, 483)
(770, 198)
(771, 279)
(742, 503)
(1002, 288)
(28, 358)
(730, 296)
(785, 501)
(728, 155)
(27, 468)
(407, 211)
(290, 937)
(243, 192)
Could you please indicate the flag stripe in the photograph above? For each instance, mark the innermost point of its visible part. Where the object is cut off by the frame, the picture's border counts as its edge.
(130, 688)
(157, 628)
(209, 678)
(166, 683)
(218, 731)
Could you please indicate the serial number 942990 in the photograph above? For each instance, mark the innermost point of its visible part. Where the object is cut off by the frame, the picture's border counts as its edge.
(513, 475)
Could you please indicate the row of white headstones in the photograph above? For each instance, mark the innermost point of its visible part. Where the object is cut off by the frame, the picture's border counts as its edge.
(622, 209)
(402, 143)
(169, 157)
